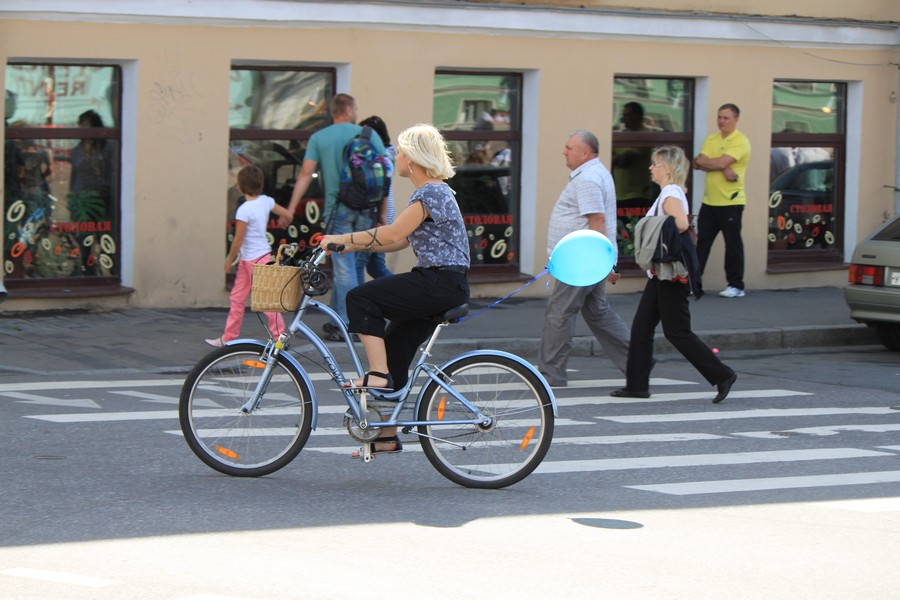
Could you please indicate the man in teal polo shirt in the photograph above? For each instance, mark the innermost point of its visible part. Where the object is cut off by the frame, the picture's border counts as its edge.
(325, 152)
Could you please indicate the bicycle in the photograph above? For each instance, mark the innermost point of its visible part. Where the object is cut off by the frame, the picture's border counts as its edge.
(484, 418)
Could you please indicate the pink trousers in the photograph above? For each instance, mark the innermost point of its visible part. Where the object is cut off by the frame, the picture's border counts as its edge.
(239, 294)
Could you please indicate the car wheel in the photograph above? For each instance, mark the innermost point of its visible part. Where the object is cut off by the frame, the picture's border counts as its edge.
(889, 335)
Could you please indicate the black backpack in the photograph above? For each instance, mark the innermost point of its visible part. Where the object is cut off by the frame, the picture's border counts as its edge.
(364, 176)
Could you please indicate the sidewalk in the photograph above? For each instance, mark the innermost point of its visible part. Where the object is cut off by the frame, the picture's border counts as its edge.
(171, 340)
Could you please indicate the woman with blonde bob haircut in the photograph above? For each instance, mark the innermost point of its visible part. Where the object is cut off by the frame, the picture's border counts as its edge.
(432, 225)
(666, 300)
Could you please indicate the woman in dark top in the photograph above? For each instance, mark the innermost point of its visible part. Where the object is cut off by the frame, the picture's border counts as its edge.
(433, 227)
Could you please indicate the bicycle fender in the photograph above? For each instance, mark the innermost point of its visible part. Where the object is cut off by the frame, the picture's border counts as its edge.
(513, 358)
(296, 365)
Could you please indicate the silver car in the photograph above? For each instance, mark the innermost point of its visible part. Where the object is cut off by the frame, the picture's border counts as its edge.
(874, 290)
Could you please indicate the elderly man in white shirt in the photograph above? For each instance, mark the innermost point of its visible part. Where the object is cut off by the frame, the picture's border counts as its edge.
(587, 202)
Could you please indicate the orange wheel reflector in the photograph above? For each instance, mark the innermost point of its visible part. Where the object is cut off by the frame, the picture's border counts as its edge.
(255, 364)
(527, 438)
(227, 452)
(441, 406)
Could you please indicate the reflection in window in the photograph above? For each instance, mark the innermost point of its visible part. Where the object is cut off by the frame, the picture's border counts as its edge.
(274, 111)
(802, 201)
(664, 104)
(808, 107)
(479, 116)
(806, 169)
(61, 173)
(649, 112)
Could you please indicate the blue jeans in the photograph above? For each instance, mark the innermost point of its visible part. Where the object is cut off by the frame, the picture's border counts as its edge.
(348, 270)
(376, 267)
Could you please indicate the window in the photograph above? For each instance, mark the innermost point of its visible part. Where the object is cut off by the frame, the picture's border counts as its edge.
(61, 218)
(647, 113)
(806, 175)
(480, 116)
(273, 113)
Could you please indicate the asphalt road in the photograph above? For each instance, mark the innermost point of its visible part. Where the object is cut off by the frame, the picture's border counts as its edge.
(773, 494)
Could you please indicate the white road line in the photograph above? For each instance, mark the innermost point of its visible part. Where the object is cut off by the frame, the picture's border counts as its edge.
(750, 414)
(144, 415)
(701, 460)
(334, 431)
(111, 384)
(24, 398)
(557, 441)
(72, 385)
(57, 577)
(160, 398)
(824, 430)
(672, 397)
(770, 483)
(616, 383)
(897, 448)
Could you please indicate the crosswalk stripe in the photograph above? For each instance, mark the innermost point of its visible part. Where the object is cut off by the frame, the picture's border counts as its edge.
(824, 430)
(718, 415)
(701, 460)
(671, 397)
(770, 483)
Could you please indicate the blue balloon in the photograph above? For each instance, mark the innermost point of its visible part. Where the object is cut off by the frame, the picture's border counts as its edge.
(582, 258)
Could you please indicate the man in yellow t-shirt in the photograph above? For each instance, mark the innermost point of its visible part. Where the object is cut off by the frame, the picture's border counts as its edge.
(724, 158)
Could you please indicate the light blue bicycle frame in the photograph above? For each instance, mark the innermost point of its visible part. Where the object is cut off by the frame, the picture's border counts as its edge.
(358, 407)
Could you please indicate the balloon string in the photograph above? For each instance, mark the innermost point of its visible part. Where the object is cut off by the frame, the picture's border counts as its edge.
(514, 292)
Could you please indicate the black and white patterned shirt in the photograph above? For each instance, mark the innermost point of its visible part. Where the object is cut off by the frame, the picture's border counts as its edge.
(441, 240)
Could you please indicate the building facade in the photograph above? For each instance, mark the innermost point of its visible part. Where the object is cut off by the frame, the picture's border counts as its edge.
(127, 121)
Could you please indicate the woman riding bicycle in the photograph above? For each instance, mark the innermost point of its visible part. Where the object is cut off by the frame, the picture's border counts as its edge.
(433, 227)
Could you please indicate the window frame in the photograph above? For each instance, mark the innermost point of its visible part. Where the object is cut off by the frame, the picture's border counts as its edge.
(497, 272)
(653, 139)
(268, 135)
(787, 261)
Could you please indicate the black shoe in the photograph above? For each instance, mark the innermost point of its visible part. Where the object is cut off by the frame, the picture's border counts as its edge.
(724, 388)
(626, 393)
(330, 328)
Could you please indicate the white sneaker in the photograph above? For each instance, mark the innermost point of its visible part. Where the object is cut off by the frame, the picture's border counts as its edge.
(215, 343)
(732, 292)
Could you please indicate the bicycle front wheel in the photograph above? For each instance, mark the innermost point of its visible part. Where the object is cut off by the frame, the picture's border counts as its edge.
(232, 441)
(500, 453)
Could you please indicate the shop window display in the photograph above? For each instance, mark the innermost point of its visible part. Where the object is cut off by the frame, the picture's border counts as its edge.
(62, 155)
(806, 173)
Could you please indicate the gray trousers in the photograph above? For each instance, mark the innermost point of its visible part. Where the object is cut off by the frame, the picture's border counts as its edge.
(563, 306)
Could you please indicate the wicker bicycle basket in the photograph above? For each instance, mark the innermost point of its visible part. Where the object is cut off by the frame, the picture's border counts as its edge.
(275, 287)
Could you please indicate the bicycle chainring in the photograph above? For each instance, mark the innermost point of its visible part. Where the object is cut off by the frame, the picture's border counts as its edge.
(358, 433)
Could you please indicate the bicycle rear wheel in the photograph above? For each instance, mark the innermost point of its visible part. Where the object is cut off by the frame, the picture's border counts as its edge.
(238, 443)
(507, 450)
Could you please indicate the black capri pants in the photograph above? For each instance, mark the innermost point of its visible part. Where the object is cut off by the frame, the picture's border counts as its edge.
(410, 301)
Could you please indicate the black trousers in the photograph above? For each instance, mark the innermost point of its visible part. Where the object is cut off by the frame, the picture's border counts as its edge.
(727, 219)
(411, 302)
(667, 301)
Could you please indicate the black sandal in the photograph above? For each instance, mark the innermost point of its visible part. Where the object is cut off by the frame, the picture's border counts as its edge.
(389, 387)
(394, 441)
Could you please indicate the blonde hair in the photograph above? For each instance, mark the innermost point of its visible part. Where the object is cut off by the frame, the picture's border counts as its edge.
(675, 161)
(424, 145)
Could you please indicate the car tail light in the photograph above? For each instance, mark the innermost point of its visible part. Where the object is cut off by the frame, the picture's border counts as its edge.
(866, 275)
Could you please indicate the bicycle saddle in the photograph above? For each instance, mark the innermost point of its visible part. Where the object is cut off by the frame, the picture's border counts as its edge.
(454, 315)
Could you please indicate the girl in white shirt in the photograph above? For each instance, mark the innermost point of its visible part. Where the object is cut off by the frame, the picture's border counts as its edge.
(250, 241)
